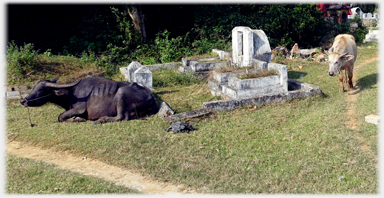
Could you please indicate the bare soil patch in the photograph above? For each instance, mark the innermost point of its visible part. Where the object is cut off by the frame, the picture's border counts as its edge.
(93, 167)
(352, 96)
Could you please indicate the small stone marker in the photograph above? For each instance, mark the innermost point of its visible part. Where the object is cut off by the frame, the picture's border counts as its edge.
(143, 77)
(131, 70)
(374, 119)
(165, 110)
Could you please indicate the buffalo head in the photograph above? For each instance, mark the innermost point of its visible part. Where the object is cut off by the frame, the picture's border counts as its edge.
(43, 91)
(337, 61)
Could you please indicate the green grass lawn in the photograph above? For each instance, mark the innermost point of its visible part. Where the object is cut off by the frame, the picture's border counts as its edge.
(296, 146)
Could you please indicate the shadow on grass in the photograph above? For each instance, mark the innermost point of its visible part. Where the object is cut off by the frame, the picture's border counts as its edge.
(296, 75)
(367, 82)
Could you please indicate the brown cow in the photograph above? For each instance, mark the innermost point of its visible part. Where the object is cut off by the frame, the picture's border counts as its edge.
(342, 56)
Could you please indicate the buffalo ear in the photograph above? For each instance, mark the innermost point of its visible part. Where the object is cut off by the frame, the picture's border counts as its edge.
(347, 57)
(61, 92)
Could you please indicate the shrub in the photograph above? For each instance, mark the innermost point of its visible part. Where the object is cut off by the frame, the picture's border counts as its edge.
(20, 59)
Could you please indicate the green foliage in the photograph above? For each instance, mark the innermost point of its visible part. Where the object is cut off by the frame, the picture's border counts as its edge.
(360, 35)
(171, 49)
(284, 24)
(20, 59)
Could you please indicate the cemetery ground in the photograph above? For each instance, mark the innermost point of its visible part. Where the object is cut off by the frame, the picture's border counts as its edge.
(316, 145)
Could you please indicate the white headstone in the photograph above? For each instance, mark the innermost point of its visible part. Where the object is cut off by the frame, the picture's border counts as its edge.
(262, 49)
(369, 15)
(131, 69)
(248, 44)
(143, 77)
(376, 15)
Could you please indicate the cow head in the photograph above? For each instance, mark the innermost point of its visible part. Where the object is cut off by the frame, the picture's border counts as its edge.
(336, 61)
(43, 91)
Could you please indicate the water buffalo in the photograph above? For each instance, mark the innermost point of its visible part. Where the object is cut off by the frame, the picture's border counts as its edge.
(342, 56)
(94, 98)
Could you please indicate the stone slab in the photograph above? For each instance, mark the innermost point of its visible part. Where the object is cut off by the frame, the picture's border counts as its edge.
(301, 90)
(13, 94)
(200, 67)
(165, 110)
(245, 93)
(283, 73)
(222, 54)
(253, 83)
(169, 66)
(222, 77)
(187, 61)
(373, 119)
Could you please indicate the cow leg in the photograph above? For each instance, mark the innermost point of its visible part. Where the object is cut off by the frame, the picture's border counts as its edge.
(350, 76)
(70, 116)
(341, 87)
(121, 115)
(345, 76)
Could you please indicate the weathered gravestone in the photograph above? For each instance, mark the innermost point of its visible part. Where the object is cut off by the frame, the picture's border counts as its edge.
(165, 110)
(248, 45)
(131, 69)
(143, 77)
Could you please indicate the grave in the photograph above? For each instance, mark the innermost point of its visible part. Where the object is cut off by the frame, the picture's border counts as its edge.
(135, 72)
(143, 77)
(230, 86)
(252, 54)
(202, 67)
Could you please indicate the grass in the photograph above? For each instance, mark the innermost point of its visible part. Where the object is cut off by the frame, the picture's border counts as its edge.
(26, 176)
(202, 56)
(65, 68)
(296, 146)
(260, 74)
(232, 69)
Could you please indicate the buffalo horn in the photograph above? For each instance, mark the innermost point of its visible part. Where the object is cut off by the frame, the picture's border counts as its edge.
(54, 85)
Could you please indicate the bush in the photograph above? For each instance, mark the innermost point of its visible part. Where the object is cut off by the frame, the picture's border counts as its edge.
(20, 59)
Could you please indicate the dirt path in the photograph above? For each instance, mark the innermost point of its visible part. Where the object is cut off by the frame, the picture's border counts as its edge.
(95, 168)
(352, 96)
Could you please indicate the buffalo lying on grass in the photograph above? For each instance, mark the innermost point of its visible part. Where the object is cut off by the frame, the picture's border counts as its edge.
(94, 98)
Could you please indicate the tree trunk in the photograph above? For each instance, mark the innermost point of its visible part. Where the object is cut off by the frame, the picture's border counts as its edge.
(138, 20)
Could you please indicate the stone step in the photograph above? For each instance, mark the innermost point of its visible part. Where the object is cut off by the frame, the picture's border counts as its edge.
(246, 93)
(253, 83)
(200, 67)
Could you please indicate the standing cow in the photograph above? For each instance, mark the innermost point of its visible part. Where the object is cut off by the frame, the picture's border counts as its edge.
(94, 98)
(342, 56)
